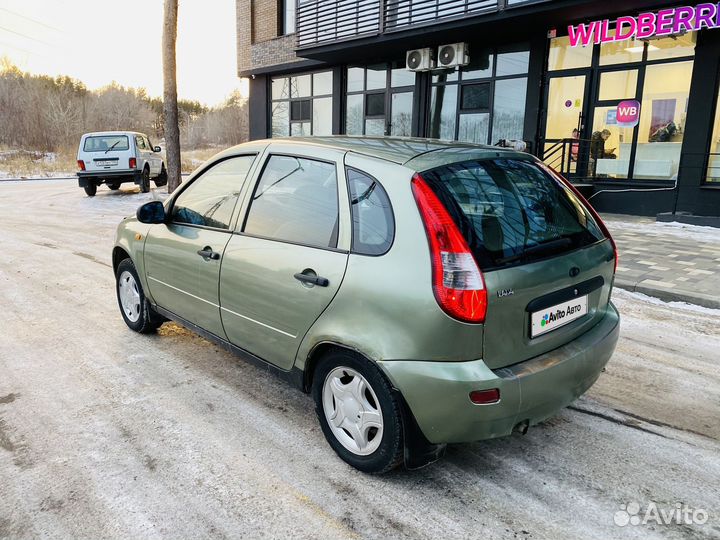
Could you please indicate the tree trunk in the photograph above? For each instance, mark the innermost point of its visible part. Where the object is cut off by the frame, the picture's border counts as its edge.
(170, 108)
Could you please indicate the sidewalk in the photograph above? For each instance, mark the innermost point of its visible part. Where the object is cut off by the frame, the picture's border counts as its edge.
(670, 261)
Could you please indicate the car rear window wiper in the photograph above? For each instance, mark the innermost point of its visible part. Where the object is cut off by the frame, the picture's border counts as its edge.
(546, 247)
(113, 145)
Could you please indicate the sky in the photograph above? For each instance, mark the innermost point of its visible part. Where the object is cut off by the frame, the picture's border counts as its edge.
(100, 41)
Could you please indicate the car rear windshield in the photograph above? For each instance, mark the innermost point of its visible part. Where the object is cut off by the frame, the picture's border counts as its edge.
(511, 211)
(105, 143)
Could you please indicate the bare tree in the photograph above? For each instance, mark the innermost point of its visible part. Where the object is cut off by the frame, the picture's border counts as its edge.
(170, 107)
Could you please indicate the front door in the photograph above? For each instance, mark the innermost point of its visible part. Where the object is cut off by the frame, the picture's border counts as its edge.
(284, 267)
(565, 123)
(183, 257)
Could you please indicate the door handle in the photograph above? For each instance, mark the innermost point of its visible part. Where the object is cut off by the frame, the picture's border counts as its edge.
(208, 253)
(312, 279)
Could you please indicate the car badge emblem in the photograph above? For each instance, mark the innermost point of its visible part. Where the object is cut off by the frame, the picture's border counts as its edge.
(505, 292)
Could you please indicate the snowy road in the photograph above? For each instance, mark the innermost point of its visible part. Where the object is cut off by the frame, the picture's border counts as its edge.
(105, 433)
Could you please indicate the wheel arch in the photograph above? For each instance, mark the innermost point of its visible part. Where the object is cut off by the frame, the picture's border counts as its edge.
(118, 255)
(317, 352)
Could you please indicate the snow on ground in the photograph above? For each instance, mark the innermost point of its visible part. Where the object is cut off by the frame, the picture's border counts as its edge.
(648, 226)
(106, 433)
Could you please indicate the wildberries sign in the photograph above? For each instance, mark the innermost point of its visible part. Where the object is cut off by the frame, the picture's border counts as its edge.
(665, 22)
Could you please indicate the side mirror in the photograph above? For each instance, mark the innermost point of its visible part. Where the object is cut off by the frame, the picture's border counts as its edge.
(157, 149)
(151, 212)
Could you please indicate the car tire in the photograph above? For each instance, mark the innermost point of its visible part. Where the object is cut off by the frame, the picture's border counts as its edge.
(135, 309)
(358, 412)
(162, 178)
(145, 180)
(114, 186)
(90, 190)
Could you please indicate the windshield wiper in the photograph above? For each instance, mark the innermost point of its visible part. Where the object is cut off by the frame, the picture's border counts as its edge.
(547, 247)
(113, 146)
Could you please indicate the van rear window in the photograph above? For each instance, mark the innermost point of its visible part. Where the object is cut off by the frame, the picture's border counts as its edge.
(105, 143)
(512, 212)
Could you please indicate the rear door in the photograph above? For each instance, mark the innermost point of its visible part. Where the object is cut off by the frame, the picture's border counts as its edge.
(547, 266)
(107, 152)
(183, 257)
(288, 258)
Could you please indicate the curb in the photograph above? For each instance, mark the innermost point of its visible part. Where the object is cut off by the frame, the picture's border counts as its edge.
(669, 295)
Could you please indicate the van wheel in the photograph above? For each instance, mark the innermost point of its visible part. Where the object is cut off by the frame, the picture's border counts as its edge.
(114, 186)
(91, 190)
(135, 309)
(358, 412)
(145, 180)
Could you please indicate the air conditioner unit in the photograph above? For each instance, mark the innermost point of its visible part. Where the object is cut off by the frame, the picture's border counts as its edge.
(420, 60)
(453, 55)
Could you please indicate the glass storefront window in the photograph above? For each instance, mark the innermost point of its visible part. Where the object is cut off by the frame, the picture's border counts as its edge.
(563, 56)
(565, 106)
(301, 104)
(443, 104)
(662, 120)
(713, 171)
(622, 52)
(509, 109)
(616, 85)
(474, 128)
(610, 153)
(354, 115)
(401, 119)
(512, 63)
(484, 102)
(383, 103)
(673, 47)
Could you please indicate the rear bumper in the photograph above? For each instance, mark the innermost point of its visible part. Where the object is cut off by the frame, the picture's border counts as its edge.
(438, 392)
(95, 177)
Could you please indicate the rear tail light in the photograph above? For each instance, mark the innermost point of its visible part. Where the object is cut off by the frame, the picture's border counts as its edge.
(485, 397)
(81, 164)
(589, 207)
(458, 284)
(133, 163)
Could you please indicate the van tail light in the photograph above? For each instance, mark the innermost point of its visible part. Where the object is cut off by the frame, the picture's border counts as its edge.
(133, 163)
(589, 207)
(458, 283)
(81, 164)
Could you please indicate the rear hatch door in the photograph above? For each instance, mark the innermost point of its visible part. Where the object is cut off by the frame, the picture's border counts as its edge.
(107, 152)
(547, 265)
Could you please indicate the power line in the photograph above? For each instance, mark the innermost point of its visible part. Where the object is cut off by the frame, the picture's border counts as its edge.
(24, 35)
(30, 19)
(18, 48)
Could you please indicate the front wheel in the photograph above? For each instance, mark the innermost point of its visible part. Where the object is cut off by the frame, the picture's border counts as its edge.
(90, 190)
(145, 180)
(358, 412)
(135, 309)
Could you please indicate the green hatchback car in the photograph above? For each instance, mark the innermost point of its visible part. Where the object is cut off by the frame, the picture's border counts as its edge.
(423, 292)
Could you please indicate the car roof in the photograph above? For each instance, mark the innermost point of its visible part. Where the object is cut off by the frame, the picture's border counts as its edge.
(100, 133)
(415, 153)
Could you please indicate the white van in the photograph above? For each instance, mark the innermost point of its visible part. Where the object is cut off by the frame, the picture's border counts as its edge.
(115, 157)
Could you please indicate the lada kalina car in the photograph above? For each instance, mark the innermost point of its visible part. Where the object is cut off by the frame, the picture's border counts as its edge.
(424, 293)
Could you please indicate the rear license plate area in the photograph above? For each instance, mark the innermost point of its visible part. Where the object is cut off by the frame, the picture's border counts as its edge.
(554, 317)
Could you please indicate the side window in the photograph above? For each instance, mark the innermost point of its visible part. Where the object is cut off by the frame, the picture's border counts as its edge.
(140, 142)
(296, 200)
(373, 225)
(147, 143)
(210, 200)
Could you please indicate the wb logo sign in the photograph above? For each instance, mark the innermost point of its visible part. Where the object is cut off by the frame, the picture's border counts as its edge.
(628, 113)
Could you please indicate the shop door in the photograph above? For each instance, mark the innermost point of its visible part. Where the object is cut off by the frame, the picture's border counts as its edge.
(612, 142)
(565, 140)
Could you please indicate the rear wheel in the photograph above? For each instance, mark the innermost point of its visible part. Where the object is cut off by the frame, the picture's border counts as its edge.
(145, 180)
(135, 309)
(358, 412)
(114, 185)
(91, 190)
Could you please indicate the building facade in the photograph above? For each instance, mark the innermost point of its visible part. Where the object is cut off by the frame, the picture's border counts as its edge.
(620, 96)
